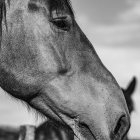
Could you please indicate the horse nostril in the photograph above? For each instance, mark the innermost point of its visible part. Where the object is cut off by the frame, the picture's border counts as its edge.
(118, 126)
(122, 127)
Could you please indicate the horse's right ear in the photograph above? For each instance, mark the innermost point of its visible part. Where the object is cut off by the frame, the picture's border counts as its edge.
(131, 87)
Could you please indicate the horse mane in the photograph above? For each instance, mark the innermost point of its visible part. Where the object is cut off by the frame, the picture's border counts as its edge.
(3, 11)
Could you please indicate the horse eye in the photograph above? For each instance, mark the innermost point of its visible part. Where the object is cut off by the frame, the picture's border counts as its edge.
(61, 23)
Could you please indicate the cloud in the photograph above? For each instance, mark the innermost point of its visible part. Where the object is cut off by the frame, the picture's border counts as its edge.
(132, 14)
(124, 33)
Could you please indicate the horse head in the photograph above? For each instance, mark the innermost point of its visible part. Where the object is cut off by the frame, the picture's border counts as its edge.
(47, 61)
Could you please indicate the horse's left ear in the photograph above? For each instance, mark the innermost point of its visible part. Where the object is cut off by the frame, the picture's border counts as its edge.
(131, 87)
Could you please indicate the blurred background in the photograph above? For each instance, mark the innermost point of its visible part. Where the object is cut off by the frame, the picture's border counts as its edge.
(113, 27)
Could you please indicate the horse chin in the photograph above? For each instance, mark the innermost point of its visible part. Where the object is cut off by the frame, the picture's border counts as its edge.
(82, 132)
(86, 133)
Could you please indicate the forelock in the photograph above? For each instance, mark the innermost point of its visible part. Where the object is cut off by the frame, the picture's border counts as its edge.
(60, 5)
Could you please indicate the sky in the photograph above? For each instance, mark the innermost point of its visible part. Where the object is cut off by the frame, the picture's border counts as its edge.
(113, 27)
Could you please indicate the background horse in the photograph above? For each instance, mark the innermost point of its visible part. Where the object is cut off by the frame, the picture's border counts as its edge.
(128, 92)
(47, 61)
(53, 131)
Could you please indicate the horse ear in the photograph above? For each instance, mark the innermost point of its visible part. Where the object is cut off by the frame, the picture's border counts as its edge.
(131, 87)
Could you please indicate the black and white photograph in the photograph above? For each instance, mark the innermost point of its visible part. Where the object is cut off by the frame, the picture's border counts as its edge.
(69, 69)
